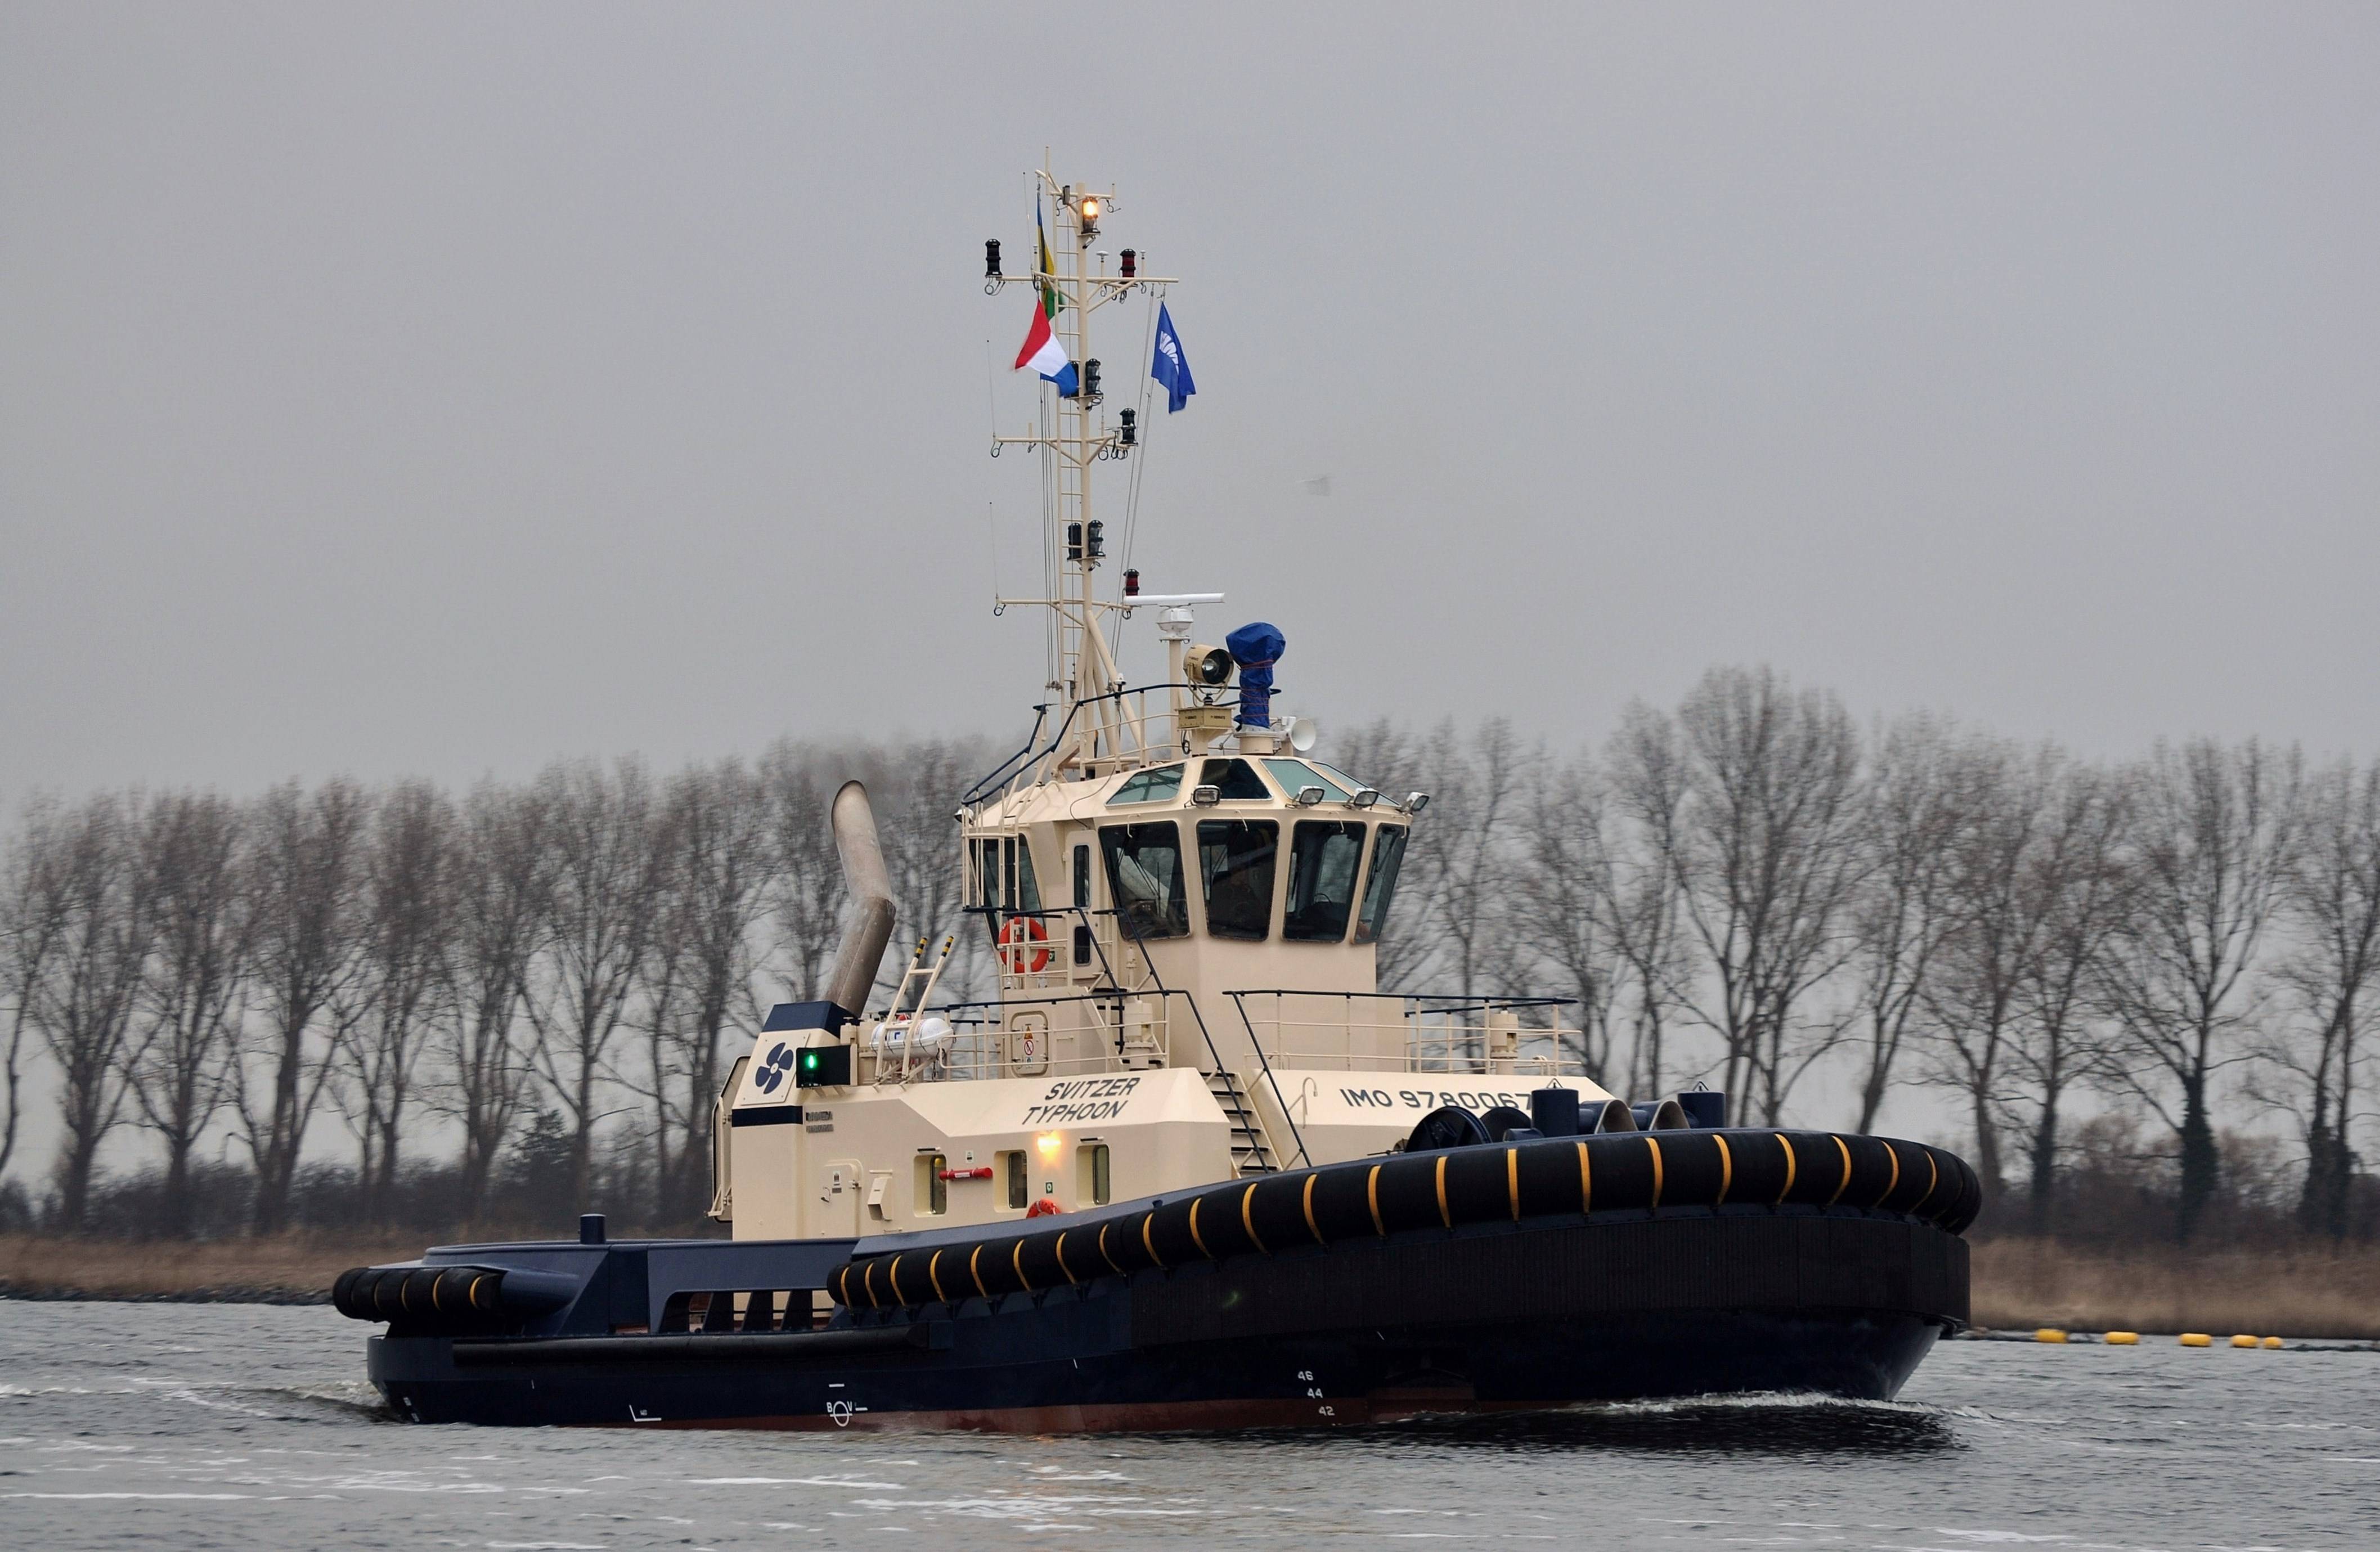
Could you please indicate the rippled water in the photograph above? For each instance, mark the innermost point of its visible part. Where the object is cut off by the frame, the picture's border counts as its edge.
(243, 1426)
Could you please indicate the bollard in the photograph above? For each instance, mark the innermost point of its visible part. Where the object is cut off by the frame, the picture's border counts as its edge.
(2049, 1334)
(2196, 1338)
(2122, 1339)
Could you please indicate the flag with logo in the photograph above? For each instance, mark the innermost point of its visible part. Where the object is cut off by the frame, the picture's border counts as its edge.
(1171, 369)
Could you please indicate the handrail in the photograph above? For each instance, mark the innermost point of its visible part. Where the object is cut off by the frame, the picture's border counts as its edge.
(1275, 1083)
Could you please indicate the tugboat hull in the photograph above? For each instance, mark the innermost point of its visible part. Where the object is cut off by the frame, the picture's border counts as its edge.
(1516, 1316)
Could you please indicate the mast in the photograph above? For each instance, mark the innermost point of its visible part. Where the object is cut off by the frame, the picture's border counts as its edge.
(1075, 434)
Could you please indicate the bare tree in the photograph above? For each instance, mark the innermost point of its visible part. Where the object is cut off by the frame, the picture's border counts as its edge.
(1902, 910)
(1466, 854)
(1640, 906)
(502, 903)
(32, 922)
(915, 797)
(83, 999)
(1974, 997)
(2217, 834)
(2335, 895)
(2076, 890)
(715, 890)
(807, 889)
(389, 1009)
(1563, 887)
(193, 848)
(1764, 847)
(605, 892)
(304, 898)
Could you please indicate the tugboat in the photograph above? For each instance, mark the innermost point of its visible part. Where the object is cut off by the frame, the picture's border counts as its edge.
(1190, 1167)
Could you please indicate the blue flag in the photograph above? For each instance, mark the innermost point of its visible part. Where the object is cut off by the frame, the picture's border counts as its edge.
(1171, 368)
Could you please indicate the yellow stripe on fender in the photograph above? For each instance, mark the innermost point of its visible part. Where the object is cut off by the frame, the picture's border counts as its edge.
(1513, 1180)
(1247, 1216)
(1585, 1181)
(1016, 1259)
(1656, 1147)
(934, 1276)
(867, 1282)
(892, 1279)
(1071, 1280)
(1372, 1190)
(1894, 1184)
(1311, 1227)
(1103, 1250)
(1725, 1170)
(1787, 1143)
(1196, 1238)
(1444, 1217)
(1932, 1180)
(976, 1272)
(1844, 1185)
(1147, 1227)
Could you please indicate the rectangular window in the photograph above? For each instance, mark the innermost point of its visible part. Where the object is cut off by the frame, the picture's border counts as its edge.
(1082, 899)
(1091, 1175)
(987, 884)
(1380, 889)
(1296, 775)
(1235, 863)
(1144, 875)
(1028, 888)
(1012, 1175)
(932, 1193)
(1324, 855)
(1233, 780)
(1160, 786)
(1008, 870)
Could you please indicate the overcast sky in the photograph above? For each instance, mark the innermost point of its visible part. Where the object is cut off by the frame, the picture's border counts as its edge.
(442, 390)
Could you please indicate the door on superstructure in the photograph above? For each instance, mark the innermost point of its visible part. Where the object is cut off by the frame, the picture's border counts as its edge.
(836, 1213)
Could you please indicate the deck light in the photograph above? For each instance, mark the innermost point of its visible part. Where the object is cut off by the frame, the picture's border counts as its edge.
(1414, 802)
(1207, 665)
(1365, 798)
(1308, 797)
(1048, 1145)
(1206, 796)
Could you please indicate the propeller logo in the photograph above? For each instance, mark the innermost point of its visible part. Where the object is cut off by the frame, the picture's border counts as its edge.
(774, 1068)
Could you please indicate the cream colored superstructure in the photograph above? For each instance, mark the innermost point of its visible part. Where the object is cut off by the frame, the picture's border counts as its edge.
(1184, 910)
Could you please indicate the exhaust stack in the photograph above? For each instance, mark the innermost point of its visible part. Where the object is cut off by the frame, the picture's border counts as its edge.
(869, 927)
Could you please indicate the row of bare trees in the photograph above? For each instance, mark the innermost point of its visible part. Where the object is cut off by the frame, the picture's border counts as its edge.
(193, 967)
(1752, 889)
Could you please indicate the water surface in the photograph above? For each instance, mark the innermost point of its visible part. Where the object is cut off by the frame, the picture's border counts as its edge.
(244, 1426)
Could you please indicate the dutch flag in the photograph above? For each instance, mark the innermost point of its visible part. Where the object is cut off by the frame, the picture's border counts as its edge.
(1045, 355)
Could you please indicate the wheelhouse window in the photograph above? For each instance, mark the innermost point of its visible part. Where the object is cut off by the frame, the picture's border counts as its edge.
(1004, 878)
(1144, 864)
(1235, 865)
(1233, 780)
(1162, 784)
(1323, 859)
(1380, 889)
(1295, 775)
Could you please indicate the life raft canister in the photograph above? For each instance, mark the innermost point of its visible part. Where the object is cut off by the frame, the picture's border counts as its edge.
(1024, 945)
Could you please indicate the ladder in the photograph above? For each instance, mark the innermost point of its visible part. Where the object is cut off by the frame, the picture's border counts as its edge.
(909, 1000)
(1252, 1149)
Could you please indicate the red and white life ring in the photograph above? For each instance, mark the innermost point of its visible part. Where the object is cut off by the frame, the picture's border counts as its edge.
(1024, 945)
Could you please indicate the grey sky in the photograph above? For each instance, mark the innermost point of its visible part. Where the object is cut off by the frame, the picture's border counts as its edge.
(442, 389)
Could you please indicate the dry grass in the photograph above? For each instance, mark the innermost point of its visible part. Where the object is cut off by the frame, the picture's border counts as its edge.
(290, 1266)
(2021, 1283)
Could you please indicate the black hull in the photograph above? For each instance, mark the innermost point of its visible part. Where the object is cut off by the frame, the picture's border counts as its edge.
(1505, 1318)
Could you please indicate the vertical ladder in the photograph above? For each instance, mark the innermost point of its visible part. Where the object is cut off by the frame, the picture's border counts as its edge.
(909, 999)
(1252, 1149)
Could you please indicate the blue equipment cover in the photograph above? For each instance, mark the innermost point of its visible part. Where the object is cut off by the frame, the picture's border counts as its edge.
(1255, 648)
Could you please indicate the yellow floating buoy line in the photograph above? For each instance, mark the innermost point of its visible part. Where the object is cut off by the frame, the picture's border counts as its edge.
(2275, 1344)
(2049, 1334)
(2196, 1338)
(2122, 1339)
(2243, 1341)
